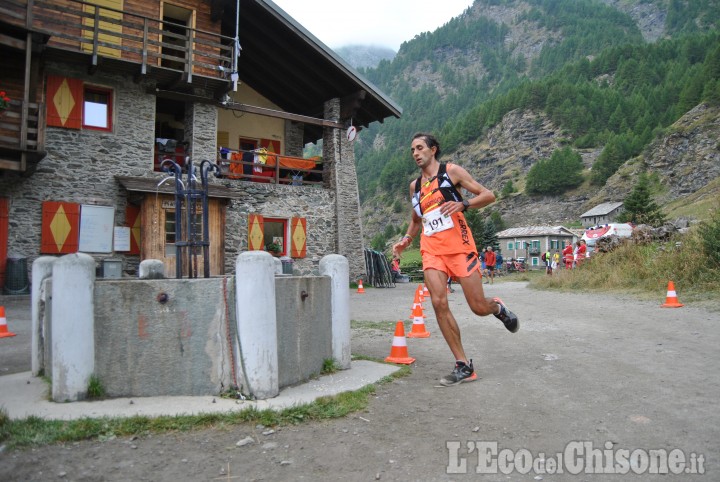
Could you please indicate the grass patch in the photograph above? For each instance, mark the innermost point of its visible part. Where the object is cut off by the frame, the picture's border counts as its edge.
(644, 271)
(388, 326)
(34, 431)
(411, 258)
(330, 366)
(96, 390)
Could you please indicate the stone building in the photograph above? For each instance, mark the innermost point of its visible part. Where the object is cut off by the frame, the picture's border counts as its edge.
(102, 92)
(601, 214)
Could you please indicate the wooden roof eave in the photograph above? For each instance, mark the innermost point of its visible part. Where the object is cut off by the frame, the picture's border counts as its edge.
(150, 185)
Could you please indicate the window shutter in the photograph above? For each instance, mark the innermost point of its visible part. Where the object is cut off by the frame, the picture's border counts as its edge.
(132, 220)
(256, 233)
(60, 227)
(271, 145)
(298, 234)
(64, 102)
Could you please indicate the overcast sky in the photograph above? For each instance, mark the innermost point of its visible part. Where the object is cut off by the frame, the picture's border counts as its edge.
(386, 23)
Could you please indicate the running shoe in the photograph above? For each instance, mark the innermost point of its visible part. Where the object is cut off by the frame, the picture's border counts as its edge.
(461, 373)
(509, 319)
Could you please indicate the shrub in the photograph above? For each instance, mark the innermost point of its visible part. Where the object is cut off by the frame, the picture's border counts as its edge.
(710, 238)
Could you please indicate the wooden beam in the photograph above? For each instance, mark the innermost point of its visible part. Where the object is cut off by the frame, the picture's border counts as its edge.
(251, 109)
(12, 42)
(10, 165)
(283, 115)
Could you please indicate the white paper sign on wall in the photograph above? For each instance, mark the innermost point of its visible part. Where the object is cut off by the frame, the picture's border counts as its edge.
(96, 228)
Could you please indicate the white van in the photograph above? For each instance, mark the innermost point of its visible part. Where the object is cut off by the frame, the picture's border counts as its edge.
(621, 230)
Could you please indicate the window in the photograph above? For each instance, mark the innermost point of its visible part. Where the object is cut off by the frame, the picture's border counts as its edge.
(275, 232)
(510, 245)
(289, 235)
(97, 108)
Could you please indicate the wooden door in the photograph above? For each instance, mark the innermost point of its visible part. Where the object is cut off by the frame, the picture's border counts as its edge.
(159, 235)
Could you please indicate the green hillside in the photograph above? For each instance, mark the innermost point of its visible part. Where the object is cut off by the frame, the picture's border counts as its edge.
(582, 63)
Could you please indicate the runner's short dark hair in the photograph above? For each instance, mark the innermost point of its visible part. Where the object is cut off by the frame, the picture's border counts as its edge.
(430, 141)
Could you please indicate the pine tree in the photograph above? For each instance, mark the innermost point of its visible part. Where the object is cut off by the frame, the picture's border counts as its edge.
(489, 236)
(475, 223)
(639, 208)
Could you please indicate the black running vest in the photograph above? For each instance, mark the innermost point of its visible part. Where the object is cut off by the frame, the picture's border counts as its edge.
(445, 185)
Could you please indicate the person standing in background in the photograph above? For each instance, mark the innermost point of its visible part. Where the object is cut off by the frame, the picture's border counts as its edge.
(490, 260)
(568, 256)
(581, 252)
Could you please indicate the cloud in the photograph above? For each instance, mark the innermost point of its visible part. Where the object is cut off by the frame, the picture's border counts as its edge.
(386, 23)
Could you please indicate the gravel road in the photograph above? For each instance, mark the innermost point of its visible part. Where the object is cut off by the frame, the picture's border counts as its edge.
(608, 376)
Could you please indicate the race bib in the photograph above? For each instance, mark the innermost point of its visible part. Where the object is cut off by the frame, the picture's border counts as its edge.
(435, 221)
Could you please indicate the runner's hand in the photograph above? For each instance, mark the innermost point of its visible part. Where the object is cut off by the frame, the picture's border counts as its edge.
(400, 246)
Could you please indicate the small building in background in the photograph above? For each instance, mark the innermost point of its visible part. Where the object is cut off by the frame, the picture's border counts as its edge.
(529, 242)
(601, 214)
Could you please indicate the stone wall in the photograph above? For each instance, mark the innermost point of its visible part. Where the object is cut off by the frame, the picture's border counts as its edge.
(342, 178)
(81, 165)
(294, 132)
(315, 204)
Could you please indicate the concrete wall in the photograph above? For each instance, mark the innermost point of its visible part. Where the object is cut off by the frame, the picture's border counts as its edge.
(163, 337)
(304, 327)
(155, 337)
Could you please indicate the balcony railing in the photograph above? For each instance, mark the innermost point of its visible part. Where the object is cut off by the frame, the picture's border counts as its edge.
(274, 171)
(117, 34)
(20, 133)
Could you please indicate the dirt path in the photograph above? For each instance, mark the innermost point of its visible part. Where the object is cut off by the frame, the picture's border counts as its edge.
(614, 372)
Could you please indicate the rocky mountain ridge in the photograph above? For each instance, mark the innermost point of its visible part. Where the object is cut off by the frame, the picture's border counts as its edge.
(686, 161)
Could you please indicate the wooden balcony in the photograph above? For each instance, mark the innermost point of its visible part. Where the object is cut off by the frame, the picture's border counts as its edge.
(21, 136)
(119, 39)
(276, 169)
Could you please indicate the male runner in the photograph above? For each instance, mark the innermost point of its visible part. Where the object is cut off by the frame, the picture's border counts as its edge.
(447, 246)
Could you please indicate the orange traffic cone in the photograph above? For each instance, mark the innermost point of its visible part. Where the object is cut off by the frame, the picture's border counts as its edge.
(4, 333)
(426, 292)
(399, 351)
(360, 287)
(671, 300)
(416, 302)
(418, 327)
(419, 293)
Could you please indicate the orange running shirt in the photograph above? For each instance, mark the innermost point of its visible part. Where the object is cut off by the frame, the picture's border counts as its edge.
(457, 239)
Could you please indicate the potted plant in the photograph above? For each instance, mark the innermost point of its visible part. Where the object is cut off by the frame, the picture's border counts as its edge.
(273, 248)
(4, 101)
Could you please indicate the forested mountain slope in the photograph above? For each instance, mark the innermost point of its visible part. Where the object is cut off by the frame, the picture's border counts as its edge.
(509, 82)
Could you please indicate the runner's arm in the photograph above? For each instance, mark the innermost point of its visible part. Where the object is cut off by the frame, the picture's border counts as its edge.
(413, 229)
(459, 176)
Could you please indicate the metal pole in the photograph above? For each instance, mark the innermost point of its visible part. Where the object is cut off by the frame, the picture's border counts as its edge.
(171, 166)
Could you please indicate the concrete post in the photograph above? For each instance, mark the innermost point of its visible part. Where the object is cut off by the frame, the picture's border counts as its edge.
(151, 269)
(278, 265)
(41, 269)
(337, 268)
(257, 323)
(72, 331)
